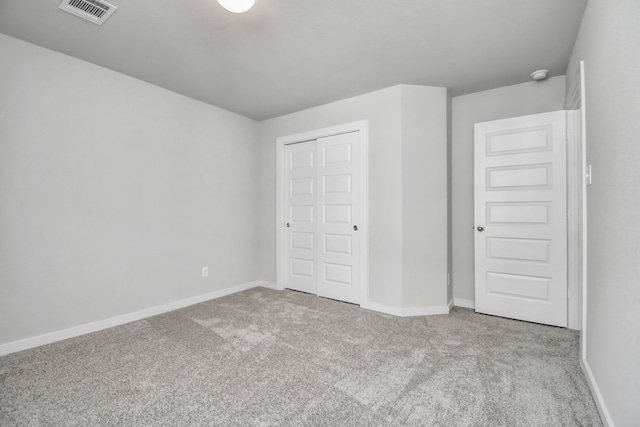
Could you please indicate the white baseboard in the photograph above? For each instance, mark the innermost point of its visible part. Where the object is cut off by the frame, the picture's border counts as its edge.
(466, 303)
(269, 285)
(425, 311)
(597, 396)
(64, 334)
(406, 311)
(395, 311)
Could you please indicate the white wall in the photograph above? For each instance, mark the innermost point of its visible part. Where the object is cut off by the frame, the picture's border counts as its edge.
(114, 194)
(510, 101)
(420, 113)
(424, 196)
(609, 42)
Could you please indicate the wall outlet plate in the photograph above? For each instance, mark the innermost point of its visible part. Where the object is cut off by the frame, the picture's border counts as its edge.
(205, 272)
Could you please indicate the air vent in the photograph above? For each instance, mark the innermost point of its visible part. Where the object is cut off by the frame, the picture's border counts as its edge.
(91, 10)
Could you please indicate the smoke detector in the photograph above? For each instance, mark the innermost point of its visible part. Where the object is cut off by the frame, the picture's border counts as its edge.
(96, 11)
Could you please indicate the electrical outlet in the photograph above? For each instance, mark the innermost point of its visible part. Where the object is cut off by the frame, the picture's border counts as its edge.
(589, 175)
(448, 279)
(205, 272)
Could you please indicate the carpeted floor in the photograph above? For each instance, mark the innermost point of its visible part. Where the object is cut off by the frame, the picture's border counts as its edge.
(264, 357)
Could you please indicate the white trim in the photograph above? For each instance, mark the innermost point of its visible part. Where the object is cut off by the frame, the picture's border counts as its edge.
(360, 126)
(381, 308)
(574, 253)
(597, 396)
(466, 303)
(407, 311)
(88, 328)
(311, 135)
(268, 285)
(583, 149)
(425, 311)
(577, 205)
(577, 100)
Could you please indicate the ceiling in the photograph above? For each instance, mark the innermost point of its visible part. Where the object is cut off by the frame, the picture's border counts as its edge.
(287, 55)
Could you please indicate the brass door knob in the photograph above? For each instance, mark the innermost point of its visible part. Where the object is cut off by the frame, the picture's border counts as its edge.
(480, 228)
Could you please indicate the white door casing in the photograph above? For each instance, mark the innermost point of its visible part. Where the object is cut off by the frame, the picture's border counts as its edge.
(521, 218)
(321, 198)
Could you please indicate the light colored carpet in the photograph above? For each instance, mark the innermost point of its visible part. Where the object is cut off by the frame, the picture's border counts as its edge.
(264, 357)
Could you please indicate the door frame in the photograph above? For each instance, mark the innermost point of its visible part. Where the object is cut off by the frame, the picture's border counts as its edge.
(574, 261)
(576, 104)
(363, 198)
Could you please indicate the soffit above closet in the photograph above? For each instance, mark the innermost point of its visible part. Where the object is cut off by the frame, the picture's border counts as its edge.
(287, 55)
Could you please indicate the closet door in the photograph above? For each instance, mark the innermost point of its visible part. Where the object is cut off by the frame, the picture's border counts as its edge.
(338, 210)
(322, 245)
(300, 216)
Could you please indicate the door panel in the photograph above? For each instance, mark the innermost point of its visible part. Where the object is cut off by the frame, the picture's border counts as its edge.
(338, 251)
(520, 206)
(300, 211)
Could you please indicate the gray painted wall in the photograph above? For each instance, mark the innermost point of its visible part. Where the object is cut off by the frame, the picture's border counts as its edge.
(401, 118)
(114, 194)
(609, 43)
(424, 196)
(510, 101)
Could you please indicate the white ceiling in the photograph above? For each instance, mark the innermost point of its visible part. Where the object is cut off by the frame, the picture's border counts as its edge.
(287, 55)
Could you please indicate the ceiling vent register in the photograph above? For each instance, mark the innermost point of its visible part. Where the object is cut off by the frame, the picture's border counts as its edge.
(91, 10)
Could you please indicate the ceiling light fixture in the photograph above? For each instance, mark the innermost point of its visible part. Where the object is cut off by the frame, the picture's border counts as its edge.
(538, 74)
(237, 6)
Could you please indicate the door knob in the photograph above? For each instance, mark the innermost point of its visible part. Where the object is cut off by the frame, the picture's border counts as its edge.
(480, 228)
(288, 225)
(355, 228)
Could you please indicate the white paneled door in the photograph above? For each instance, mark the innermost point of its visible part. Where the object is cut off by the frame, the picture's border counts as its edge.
(338, 213)
(322, 211)
(301, 217)
(521, 218)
